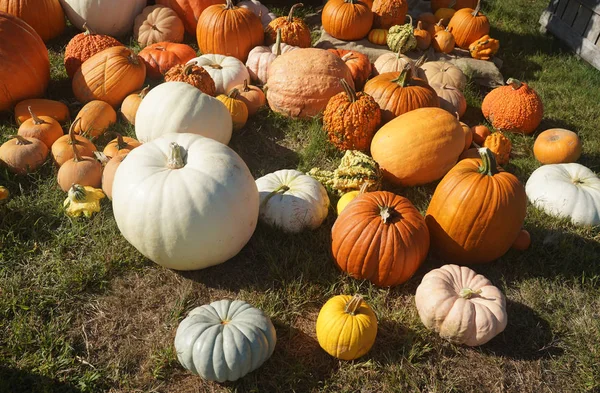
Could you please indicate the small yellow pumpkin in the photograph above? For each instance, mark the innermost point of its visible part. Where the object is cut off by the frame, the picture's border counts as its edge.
(500, 145)
(346, 327)
(236, 107)
(345, 200)
(484, 48)
(378, 36)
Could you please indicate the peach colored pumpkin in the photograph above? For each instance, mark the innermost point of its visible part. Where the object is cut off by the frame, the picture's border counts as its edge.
(95, 118)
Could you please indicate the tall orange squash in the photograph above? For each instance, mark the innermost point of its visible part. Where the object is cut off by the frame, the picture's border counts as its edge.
(45, 16)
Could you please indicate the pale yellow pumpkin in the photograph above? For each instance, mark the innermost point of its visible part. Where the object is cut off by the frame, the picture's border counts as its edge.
(345, 200)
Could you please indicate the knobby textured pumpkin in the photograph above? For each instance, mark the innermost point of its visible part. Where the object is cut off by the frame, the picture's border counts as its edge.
(347, 20)
(189, 10)
(23, 155)
(83, 46)
(388, 13)
(378, 36)
(162, 56)
(522, 242)
(110, 17)
(346, 327)
(25, 70)
(45, 16)
(44, 128)
(380, 237)
(418, 147)
(451, 98)
(209, 213)
(259, 10)
(193, 75)
(120, 145)
(261, 57)
(442, 72)
(557, 146)
(236, 107)
(476, 211)
(157, 23)
(294, 31)
(515, 107)
(400, 92)
(177, 107)
(42, 107)
(85, 171)
(109, 76)
(358, 63)
(62, 150)
(252, 96)
(389, 62)
(226, 71)
(95, 118)
(351, 119)
(292, 201)
(401, 39)
(108, 174)
(443, 41)
(131, 103)
(468, 25)
(229, 30)
(422, 36)
(224, 340)
(484, 48)
(302, 81)
(480, 134)
(460, 305)
(566, 190)
(500, 145)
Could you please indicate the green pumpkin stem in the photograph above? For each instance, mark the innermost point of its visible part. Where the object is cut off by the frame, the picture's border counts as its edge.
(467, 293)
(282, 189)
(514, 83)
(405, 76)
(353, 304)
(488, 162)
(278, 43)
(290, 17)
(20, 140)
(349, 90)
(36, 120)
(175, 160)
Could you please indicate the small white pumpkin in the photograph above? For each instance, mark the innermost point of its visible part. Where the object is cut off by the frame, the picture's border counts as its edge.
(259, 10)
(178, 107)
(224, 340)
(566, 190)
(461, 305)
(442, 72)
(261, 57)
(451, 98)
(109, 17)
(185, 201)
(391, 62)
(292, 201)
(226, 71)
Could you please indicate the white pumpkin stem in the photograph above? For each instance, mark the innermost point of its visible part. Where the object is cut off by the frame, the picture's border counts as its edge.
(187, 70)
(476, 10)
(21, 141)
(386, 213)
(290, 17)
(467, 293)
(175, 160)
(514, 83)
(216, 66)
(87, 29)
(353, 304)
(36, 120)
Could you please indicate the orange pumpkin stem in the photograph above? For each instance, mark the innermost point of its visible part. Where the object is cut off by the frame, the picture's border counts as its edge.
(175, 157)
(36, 120)
(290, 17)
(350, 91)
(353, 304)
(514, 83)
(467, 293)
(21, 140)
(488, 162)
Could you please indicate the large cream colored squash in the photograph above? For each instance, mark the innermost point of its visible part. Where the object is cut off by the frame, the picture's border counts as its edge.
(109, 17)
(226, 71)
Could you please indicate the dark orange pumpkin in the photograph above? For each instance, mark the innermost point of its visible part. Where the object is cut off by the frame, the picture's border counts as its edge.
(161, 57)
(194, 75)
(468, 25)
(380, 237)
(423, 37)
(359, 65)
(388, 13)
(347, 20)
(476, 211)
(83, 46)
(443, 41)
(229, 30)
(189, 10)
(294, 31)
(45, 16)
(252, 96)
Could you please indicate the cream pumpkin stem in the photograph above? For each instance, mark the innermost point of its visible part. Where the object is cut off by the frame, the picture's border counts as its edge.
(477, 8)
(386, 213)
(21, 141)
(36, 120)
(216, 66)
(467, 293)
(144, 91)
(514, 83)
(353, 304)
(278, 43)
(290, 17)
(87, 29)
(488, 162)
(175, 160)
(349, 90)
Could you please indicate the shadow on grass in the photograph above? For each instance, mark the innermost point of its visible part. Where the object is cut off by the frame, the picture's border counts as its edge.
(18, 381)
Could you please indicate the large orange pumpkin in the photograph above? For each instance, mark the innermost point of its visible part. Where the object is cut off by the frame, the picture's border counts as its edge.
(400, 92)
(25, 67)
(189, 10)
(468, 25)
(418, 147)
(359, 65)
(380, 237)
(388, 13)
(476, 212)
(348, 20)
(45, 16)
(515, 107)
(557, 146)
(83, 46)
(162, 56)
(109, 76)
(294, 31)
(229, 30)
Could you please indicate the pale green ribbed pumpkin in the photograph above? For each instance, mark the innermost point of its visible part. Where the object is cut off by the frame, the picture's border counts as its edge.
(401, 39)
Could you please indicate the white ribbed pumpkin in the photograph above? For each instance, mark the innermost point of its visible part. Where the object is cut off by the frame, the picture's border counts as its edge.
(109, 17)
(259, 10)
(391, 62)
(292, 201)
(185, 201)
(451, 98)
(178, 107)
(226, 71)
(224, 340)
(566, 190)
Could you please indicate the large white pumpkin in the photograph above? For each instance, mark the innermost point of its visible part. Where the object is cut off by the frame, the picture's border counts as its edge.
(187, 211)
(224, 340)
(566, 190)
(178, 107)
(259, 10)
(292, 201)
(461, 305)
(109, 17)
(227, 71)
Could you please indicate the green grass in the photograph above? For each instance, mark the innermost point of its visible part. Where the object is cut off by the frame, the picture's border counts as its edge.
(82, 311)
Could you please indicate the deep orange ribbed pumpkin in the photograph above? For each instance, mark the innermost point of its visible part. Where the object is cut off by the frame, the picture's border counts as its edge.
(380, 237)
(25, 67)
(294, 31)
(189, 10)
(359, 65)
(348, 20)
(162, 56)
(476, 212)
(229, 30)
(83, 46)
(468, 25)
(45, 16)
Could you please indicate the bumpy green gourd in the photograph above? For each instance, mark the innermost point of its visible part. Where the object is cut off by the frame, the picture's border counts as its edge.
(401, 39)
(355, 169)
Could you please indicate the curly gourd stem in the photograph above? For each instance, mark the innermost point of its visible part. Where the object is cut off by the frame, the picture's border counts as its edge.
(351, 93)
(20, 140)
(290, 17)
(410, 20)
(278, 43)
(488, 162)
(476, 10)
(175, 160)
(353, 304)
(467, 293)
(514, 83)
(36, 120)
(282, 189)
(72, 140)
